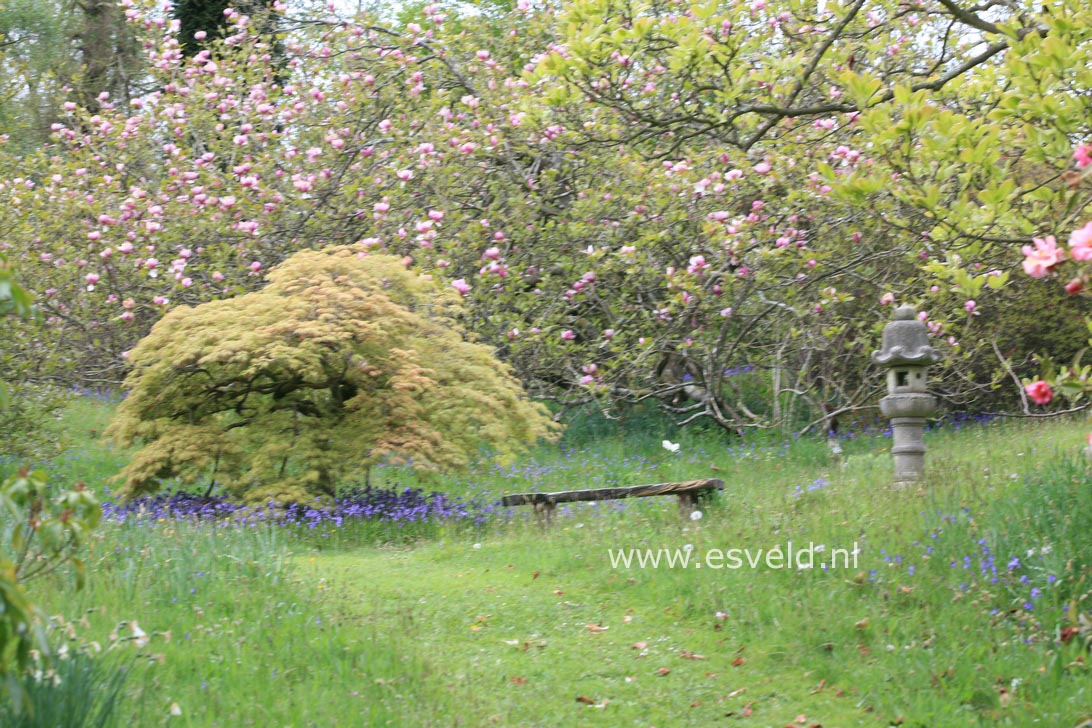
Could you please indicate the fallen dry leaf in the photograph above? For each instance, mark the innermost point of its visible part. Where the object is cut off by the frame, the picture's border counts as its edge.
(595, 628)
(734, 693)
(819, 688)
(747, 710)
(585, 700)
(664, 671)
(534, 576)
(862, 624)
(738, 661)
(688, 655)
(638, 645)
(516, 680)
(558, 593)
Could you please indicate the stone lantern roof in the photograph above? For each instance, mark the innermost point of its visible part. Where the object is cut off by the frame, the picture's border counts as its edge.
(906, 342)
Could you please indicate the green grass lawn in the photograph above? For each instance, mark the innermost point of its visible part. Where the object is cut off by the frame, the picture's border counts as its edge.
(954, 614)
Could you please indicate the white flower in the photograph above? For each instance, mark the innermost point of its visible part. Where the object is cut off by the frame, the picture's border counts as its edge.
(140, 637)
(476, 546)
(670, 446)
(695, 516)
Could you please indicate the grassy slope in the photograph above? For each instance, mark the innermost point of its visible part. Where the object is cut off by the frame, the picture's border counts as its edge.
(840, 648)
(443, 633)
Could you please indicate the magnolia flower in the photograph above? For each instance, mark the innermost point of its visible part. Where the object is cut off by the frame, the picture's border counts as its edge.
(1080, 243)
(1045, 255)
(1083, 155)
(670, 446)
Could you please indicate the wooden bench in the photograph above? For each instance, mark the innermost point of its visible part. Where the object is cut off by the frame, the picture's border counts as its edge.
(545, 503)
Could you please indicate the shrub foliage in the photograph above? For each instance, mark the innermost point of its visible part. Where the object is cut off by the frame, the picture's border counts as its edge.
(343, 360)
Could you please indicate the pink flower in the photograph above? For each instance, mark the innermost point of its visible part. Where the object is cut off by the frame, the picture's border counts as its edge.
(255, 266)
(970, 305)
(567, 335)
(92, 278)
(1080, 243)
(1074, 287)
(461, 286)
(1040, 392)
(217, 276)
(1045, 255)
(1083, 155)
(887, 299)
(608, 334)
(762, 168)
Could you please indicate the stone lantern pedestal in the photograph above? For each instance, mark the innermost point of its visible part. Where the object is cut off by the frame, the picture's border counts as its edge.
(907, 355)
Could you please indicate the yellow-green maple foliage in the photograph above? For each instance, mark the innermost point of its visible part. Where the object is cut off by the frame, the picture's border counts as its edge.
(344, 359)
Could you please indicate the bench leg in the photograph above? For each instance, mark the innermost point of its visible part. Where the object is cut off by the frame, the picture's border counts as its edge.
(687, 503)
(544, 512)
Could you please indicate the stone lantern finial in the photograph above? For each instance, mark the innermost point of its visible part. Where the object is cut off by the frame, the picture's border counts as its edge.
(907, 354)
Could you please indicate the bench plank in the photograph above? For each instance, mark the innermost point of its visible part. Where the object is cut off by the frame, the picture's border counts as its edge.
(598, 494)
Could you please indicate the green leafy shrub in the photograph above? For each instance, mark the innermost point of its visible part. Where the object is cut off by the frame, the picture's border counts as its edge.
(40, 532)
(345, 359)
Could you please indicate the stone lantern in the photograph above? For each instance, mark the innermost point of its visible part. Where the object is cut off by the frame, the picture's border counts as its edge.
(907, 355)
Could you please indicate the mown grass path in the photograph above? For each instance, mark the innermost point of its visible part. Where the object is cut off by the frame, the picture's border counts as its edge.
(525, 632)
